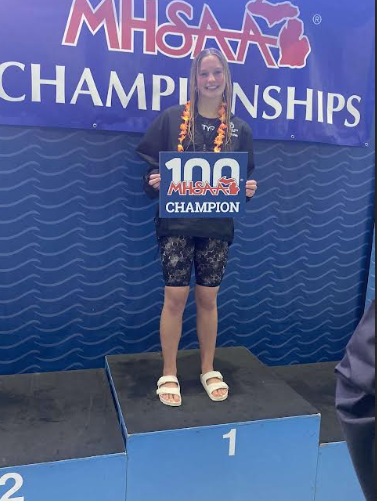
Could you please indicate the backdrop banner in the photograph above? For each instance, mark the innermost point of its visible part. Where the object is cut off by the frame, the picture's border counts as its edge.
(302, 70)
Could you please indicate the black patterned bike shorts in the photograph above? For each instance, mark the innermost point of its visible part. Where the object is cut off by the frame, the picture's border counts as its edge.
(208, 255)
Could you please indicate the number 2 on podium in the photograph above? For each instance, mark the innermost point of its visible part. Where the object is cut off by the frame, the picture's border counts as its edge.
(18, 483)
(232, 437)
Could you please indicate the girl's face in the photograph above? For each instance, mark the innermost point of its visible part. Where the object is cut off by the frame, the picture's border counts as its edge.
(211, 78)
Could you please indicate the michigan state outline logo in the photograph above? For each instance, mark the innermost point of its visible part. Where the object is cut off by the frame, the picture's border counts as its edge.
(294, 47)
(283, 45)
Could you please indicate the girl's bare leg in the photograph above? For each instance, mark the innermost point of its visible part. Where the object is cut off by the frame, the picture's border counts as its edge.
(171, 332)
(207, 323)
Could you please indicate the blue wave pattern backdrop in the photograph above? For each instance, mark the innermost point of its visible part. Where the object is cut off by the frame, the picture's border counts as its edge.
(79, 270)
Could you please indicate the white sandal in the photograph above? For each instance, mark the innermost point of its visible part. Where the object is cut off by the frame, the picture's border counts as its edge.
(169, 391)
(210, 388)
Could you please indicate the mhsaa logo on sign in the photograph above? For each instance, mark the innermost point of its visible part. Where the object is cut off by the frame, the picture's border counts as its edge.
(212, 185)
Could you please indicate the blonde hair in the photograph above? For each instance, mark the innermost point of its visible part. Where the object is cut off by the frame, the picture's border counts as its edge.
(227, 98)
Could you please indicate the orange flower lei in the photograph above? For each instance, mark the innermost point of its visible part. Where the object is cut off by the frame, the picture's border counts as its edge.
(221, 131)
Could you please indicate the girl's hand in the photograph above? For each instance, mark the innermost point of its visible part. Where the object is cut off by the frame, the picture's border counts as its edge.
(251, 188)
(155, 181)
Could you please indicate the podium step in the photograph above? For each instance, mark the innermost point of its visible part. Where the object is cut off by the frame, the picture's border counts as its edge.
(60, 438)
(336, 478)
(262, 443)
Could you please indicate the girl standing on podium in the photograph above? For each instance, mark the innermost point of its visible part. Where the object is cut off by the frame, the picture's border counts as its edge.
(205, 124)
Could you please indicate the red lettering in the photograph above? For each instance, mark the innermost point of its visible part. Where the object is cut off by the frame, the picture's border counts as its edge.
(222, 189)
(147, 25)
(198, 188)
(209, 189)
(175, 188)
(104, 15)
(294, 47)
(210, 28)
(190, 188)
(251, 34)
(176, 27)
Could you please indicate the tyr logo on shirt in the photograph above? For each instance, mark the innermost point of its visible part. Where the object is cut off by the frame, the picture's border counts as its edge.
(208, 128)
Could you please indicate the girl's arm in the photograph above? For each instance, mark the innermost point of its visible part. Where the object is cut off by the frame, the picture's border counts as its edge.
(154, 141)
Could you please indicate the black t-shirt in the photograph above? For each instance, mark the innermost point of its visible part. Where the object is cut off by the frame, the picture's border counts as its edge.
(163, 135)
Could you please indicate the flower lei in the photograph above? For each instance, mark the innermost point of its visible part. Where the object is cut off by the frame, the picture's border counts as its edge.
(221, 131)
